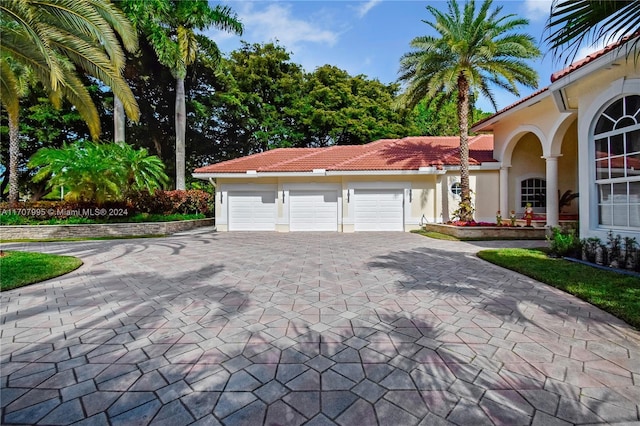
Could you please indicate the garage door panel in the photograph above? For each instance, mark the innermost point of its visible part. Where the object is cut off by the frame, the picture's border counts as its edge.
(252, 211)
(313, 210)
(379, 210)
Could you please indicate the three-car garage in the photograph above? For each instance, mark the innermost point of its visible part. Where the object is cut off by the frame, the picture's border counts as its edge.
(317, 208)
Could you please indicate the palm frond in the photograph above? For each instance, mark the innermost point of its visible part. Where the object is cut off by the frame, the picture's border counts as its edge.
(574, 23)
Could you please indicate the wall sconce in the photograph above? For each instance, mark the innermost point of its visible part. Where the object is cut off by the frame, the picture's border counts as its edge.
(283, 196)
(221, 198)
(410, 196)
(348, 195)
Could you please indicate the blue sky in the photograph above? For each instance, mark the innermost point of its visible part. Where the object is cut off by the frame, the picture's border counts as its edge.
(367, 37)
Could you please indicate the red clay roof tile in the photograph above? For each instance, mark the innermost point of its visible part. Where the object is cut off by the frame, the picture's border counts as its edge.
(409, 153)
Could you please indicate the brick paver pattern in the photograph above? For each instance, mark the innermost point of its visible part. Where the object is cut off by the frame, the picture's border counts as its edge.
(307, 328)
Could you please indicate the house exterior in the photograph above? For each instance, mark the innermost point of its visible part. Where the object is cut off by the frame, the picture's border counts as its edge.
(386, 185)
(581, 133)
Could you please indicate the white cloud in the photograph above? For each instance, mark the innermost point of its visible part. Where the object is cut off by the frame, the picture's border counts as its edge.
(276, 22)
(584, 51)
(365, 7)
(538, 10)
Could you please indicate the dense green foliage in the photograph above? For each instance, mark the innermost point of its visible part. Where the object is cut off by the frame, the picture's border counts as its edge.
(170, 27)
(474, 50)
(254, 99)
(50, 42)
(615, 293)
(22, 268)
(91, 171)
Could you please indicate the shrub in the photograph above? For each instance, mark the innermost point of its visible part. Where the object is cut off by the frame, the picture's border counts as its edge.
(564, 242)
(98, 172)
(589, 248)
(191, 201)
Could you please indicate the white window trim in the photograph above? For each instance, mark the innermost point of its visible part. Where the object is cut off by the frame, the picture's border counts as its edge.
(589, 112)
(594, 182)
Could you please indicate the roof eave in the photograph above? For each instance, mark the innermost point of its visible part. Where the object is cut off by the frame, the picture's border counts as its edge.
(431, 170)
(482, 126)
(557, 88)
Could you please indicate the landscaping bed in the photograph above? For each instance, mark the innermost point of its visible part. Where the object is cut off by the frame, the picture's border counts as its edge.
(487, 232)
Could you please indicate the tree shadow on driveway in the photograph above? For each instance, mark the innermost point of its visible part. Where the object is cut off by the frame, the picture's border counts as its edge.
(412, 336)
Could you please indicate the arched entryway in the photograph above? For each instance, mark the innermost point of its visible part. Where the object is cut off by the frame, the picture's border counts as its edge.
(542, 170)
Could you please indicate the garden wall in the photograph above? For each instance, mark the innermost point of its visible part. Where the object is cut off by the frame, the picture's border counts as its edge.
(39, 232)
(497, 232)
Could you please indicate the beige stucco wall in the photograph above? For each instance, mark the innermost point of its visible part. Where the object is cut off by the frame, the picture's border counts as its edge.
(427, 196)
(487, 195)
(562, 118)
(526, 162)
(568, 167)
(509, 132)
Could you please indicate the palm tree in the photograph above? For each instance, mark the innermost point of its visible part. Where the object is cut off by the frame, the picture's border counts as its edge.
(572, 22)
(54, 39)
(170, 26)
(476, 49)
(98, 172)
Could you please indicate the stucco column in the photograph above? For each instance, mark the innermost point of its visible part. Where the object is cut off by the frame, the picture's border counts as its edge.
(504, 191)
(553, 214)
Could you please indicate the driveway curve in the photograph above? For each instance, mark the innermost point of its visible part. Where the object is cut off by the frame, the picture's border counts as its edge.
(307, 328)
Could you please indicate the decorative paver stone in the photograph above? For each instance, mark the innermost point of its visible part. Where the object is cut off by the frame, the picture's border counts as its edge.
(307, 329)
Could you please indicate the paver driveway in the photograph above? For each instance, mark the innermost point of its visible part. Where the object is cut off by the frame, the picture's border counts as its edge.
(288, 329)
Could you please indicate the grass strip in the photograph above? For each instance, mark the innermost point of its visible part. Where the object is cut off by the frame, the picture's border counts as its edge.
(615, 293)
(19, 268)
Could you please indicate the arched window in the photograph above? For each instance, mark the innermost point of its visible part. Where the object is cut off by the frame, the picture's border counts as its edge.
(617, 161)
(534, 191)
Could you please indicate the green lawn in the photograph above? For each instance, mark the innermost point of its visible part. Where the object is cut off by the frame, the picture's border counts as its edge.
(18, 268)
(435, 235)
(615, 293)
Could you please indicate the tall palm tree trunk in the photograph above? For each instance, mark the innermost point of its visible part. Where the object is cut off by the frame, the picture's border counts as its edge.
(118, 120)
(181, 119)
(466, 212)
(14, 155)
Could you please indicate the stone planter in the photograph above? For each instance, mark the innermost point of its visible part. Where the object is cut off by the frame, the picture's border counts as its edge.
(41, 232)
(494, 232)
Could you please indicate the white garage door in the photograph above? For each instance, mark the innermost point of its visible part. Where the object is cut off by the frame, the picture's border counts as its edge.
(379, 210)
(313, 210)
(252, 211)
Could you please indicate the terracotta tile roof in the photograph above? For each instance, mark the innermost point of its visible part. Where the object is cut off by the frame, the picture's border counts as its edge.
(409, 153)
(592, 57)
